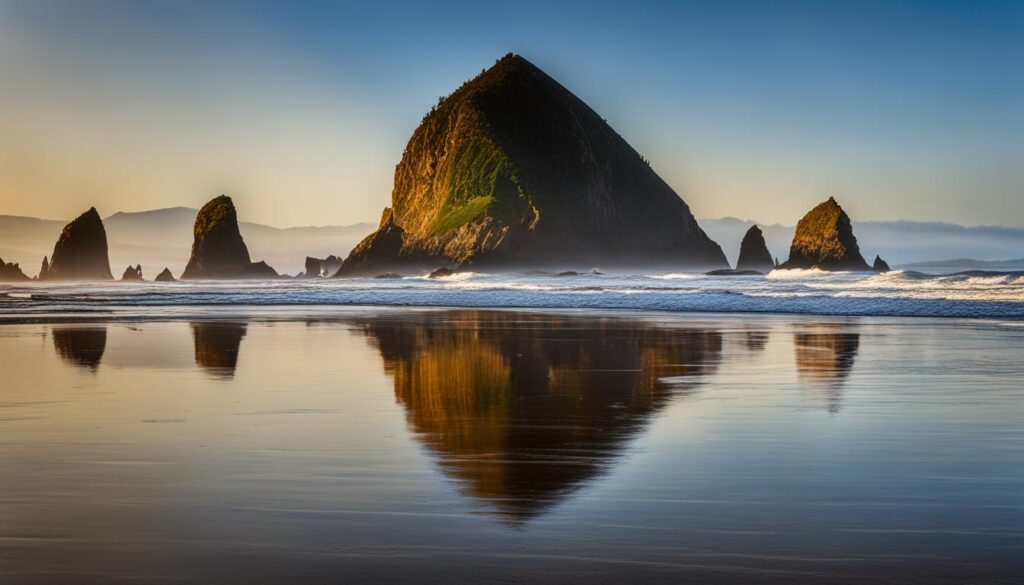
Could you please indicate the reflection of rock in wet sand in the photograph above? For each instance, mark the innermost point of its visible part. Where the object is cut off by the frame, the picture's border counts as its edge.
(824, 356)
(217, 346)
(522, 410)
(80, 346)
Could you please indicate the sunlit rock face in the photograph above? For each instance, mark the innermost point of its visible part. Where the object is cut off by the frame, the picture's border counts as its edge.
(512, 169)
(81, 347)
(80, 252)
(824, 239)
(216, 345)
(825, 354)
(521, 410)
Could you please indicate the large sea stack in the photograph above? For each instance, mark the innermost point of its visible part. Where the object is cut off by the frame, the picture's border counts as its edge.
(81, 251)
(514, 170)
(218, 250)
(754, 254)
(824, 239)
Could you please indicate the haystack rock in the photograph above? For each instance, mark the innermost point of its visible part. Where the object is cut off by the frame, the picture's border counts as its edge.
(218, 250)
(824, 240)
(133, 273)
(81, 251)
(11, 272)
(514, 170)
(880, 265)
(754, 254)
(165, 276)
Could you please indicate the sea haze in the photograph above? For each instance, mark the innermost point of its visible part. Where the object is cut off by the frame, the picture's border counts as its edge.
(469, 446)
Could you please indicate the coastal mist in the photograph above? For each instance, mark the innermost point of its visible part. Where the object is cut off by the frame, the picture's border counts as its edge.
(500, 446)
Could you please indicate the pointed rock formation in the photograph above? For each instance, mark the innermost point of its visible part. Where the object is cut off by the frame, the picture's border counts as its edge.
(754, 253)
(218, 250)
(824, 239)
(133, 273)
(165, 276)
(44, 270)
(880, 265)
(514, 170)
(11, 272)
(81, 251)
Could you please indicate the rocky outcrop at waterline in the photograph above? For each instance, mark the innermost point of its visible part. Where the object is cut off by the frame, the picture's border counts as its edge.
(218, 250)
(165, 276)
(11, 272)
(514, 170)
(880, 265)
(754, 254)
(80, 252)
(133, 273)
(824, 239)
(322, 267)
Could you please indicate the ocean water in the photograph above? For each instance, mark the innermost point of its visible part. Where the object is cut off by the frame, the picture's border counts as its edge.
(222, 443)
(812, 292)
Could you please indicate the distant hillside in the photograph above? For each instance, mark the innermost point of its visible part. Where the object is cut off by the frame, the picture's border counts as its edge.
(899, 242)
(163, 237)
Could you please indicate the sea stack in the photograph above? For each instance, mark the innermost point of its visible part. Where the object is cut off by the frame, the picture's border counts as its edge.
(514, 170)
(81, 251)
(754, 254)
(11, 272)
(165, 276)
(880, 265)
(133, 273)
(218, 250)
(824, 239)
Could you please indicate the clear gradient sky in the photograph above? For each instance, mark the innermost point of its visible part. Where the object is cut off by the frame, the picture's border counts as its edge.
(300, 110)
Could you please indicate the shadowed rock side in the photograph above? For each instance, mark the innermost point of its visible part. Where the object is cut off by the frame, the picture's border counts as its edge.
(322, 267)
(133, 273)
(81, 347)
(80, 252)
(880, 265)
(825, 354)
(514, 170)
(754, 254)
(11, 272)
(218, 250)
(522, 410)
(217, 347)
(824, 239)
(165, 276)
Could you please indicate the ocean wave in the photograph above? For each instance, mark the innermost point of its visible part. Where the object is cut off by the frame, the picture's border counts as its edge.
(897, 293)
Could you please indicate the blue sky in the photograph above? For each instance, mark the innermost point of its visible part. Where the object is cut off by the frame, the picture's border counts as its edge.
(903, 110)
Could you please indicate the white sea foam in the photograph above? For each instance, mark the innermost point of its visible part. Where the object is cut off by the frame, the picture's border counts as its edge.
(989, 295)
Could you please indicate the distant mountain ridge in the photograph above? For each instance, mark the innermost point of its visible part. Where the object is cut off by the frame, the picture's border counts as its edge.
(163, 237)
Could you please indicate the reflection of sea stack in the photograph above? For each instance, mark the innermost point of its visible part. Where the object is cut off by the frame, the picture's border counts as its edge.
(824, 357)
(824, 239)
(754, 254)
(513, 169)
(217, 346)
(80, 346)
(11, 272)
(81, 251)
(498, 396)
(218, 250)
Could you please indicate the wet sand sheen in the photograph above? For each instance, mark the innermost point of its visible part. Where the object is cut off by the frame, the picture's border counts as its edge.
(469, 446)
